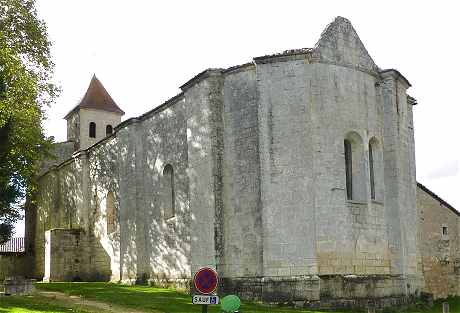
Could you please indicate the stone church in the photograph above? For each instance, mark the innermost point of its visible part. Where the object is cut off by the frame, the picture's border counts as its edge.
(292, 175)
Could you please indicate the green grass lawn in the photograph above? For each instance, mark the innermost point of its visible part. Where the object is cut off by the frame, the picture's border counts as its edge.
(454, 305)
(148, 299)
(35, 304)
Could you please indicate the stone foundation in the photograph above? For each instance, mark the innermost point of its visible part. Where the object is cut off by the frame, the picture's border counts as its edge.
(362, 286)
(359, 303)
(18, 286)
(183, 284)
(272, 289)
(323, 292)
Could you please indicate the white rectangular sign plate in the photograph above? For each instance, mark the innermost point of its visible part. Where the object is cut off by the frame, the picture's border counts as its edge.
(202, 299)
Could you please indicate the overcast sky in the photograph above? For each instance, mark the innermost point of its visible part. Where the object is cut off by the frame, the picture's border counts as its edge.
(142, 51)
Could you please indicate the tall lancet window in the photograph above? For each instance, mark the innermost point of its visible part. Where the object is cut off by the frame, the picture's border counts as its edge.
(169, 197)
(92, 130)
(355, 167)
(348, 168)
(371, 171)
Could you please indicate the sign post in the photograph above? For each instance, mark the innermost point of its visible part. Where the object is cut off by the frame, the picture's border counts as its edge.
(205, 281)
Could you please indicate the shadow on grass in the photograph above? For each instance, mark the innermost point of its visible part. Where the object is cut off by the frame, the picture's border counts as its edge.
(146, 298)
(150, 299)
(454, 305)
(138, 297)
(33, 304)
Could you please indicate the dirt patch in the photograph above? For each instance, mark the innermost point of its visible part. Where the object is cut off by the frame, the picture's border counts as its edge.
(90, 305)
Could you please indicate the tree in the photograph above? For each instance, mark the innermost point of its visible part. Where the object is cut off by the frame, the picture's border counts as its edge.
(25, 90)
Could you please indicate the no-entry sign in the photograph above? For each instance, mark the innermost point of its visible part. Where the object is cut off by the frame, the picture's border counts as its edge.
(205, 280)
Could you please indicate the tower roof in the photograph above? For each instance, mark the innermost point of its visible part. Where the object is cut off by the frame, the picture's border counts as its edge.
(96, 97)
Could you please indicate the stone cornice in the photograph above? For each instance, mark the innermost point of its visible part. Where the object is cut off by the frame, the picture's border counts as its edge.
(200, 77)
(396, 75)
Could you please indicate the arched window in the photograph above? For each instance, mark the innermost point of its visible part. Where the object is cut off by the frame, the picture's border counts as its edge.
(375, 169)
(354, 167)
(92, 130)
(108, 130)
(371, 171)
(110, 212)
(168, 185)
(348, 168)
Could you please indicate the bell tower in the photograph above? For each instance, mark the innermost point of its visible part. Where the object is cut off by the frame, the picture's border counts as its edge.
(94, 118)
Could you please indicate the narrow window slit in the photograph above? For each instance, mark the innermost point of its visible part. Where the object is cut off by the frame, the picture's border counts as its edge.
(371, 172)
(92, 130)
(348, 169)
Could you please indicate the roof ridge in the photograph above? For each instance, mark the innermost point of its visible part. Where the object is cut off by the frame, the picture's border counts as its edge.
(435, 196)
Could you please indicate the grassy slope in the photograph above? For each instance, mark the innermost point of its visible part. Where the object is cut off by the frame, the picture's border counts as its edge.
(35, 304)
(147, 298)
(142, 298)
(454, 305)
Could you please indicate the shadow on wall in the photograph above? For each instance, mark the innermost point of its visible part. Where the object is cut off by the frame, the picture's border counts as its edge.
(167, 222)
(104, 214)
(205, 143)
(63, 205)
(57, 205)
(66, 258)
(14, 264)
(132, 216)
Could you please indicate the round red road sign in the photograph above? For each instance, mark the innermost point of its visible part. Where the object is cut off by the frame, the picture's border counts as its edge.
(205, 280)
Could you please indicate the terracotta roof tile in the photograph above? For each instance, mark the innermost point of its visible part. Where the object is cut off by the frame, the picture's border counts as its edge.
(96, 97)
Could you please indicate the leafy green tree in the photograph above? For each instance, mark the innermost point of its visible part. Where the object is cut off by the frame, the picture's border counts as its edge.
(25, 90)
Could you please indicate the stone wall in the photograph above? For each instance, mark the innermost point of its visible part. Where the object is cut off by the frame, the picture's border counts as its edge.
(129, 164)
(440, 252)
(242, 216)
(323, 292)
(309, 102)
(163, 140)
(286, 167)
(73, 129)
(66, 258)
(18, 286)
(60, 152)
(15, 264)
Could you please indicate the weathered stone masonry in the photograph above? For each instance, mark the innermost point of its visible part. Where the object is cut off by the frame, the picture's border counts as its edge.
(259, 185)
(440, 243)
